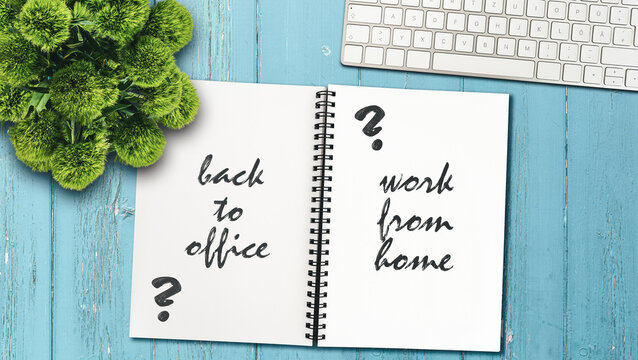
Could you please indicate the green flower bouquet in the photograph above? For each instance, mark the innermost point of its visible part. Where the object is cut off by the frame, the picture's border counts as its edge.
(80, 79)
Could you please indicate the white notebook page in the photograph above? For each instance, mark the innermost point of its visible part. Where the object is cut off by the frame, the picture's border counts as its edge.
(422, 131)
(249, 299)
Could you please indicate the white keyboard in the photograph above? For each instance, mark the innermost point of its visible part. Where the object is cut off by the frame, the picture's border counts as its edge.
(573, 42)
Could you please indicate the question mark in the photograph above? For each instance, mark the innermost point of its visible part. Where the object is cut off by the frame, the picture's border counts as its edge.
(371, 128)
(163, 298)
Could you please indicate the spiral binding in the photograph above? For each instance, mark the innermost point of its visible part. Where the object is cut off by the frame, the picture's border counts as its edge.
(320, 218)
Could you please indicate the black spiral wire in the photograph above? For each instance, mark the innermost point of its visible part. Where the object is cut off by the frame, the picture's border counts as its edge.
(320, 218)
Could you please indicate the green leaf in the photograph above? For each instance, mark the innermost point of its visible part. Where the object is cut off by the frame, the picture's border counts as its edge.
(111, 109)
(38, 102)
(42, 105)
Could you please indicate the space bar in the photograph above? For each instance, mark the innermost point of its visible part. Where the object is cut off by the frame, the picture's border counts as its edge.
(481, 65)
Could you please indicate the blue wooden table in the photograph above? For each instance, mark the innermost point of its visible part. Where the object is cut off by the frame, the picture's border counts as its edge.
(571, 266)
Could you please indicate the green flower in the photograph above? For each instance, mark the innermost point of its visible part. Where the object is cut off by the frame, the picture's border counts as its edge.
(148, 62)
(82, 14)
(80, 93)
(37, 137)
(170, 22)
(119, 20)
(9, 10)
(161, 100)
(35, 165)
(14, 104)
(185, 112)
(20, 61)
(76, 166)
(138, 141)
(45, 23)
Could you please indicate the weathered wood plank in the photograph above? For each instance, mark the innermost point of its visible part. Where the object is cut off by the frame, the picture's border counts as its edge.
(92, 248)
(535, 230)
(25, 258)
(602, 218)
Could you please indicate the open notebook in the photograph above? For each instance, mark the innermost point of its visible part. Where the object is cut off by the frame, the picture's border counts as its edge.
(339, 216)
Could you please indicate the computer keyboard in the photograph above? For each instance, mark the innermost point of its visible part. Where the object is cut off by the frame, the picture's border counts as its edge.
(575, 42)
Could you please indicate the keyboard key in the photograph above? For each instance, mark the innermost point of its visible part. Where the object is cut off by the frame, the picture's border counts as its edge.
(630, 2)
(560, 31)
(456, 21)
(568, 52)
(443, 41)
(482, 65)
(632, 78)
(623, 36)
(434, 19)
(494, 6)
(402, 37)
(556, 10)
(506, 47)
(476, 23)
(577, 11)
(410, 2)
(390, 2)
(598, 13)
(572, 73)
(414, 18)
(547, 50)
(593, 75)
(381, 35)
(374, 55)
(418, 59)
(352, 54)
(536, 8)
(613, 81)
(602, 34)
(393, 16)
(474, 5)
(452, 4)
(619, 15)
(589, 54)
(620, 56)
(422, 39)
(484, 45)
(364, 14)
(464, 43)
(514, 7)
(497, 25)
(548, 71)
(357, 33)
(612, 71)
(580, 32)
(394, 57)
(539, 29)
(518, 27)
(527, 48)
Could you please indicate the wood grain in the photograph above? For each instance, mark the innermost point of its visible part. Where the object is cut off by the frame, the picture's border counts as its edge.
(602, 223)
(25, 258)
(570, 288)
